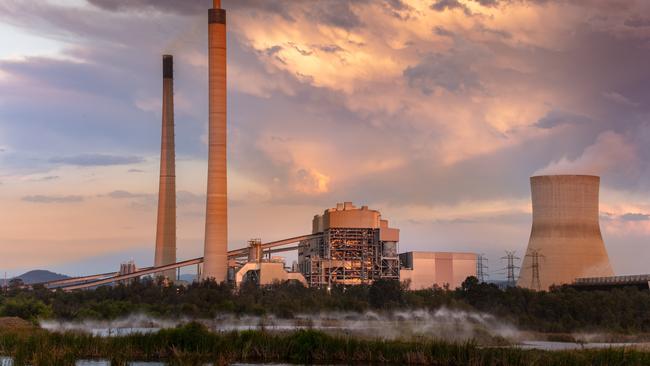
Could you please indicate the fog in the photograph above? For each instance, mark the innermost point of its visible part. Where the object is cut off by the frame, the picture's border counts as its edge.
(453, 325)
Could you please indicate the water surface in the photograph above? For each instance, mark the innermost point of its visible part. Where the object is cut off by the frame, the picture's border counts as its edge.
(569, 346)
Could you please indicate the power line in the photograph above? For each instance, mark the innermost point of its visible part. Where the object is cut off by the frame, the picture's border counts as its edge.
(482, 268)
(535, 281)
(510, 268)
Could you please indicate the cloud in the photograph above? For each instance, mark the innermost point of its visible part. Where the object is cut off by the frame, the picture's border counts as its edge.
(188, 198)
(441, 71)
(618, 98)
(96, 160)
(125, 195)
(611, 151)
(556, 118)
(637, 22)
(46, 179)
(442, 5)
(635, 217)
(135, 171)
(488, 3)
(53, 199)
(187, 7)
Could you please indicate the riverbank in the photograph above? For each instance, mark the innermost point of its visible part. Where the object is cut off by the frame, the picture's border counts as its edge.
(194, 344)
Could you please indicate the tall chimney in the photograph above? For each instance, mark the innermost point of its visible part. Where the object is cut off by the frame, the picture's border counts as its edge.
(166, 227)
(565, 240)
(215, 264)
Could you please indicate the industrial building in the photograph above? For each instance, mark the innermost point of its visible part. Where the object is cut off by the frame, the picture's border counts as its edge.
(421, 270)
(351, 246)
(565, 241)
(347, 245)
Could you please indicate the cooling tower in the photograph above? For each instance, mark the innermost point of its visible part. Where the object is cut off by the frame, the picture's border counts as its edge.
(216, 222)
(166, 227)
(565, 240)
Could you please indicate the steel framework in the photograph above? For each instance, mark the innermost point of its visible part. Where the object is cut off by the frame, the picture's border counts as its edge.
(348, 256)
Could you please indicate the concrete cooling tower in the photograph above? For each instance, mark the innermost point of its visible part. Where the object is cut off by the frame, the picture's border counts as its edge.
(565, 240)
(216, 221)
(166, 226)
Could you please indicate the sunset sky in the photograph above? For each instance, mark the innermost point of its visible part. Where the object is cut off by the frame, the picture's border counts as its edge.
(435, 112)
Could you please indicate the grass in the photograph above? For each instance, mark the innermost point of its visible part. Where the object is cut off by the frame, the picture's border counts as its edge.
(193, 344)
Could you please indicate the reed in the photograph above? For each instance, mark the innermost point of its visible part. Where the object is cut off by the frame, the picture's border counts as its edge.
(193, 344)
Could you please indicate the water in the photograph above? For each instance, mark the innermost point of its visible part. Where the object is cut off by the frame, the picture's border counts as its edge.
(568, 346)
(6, 361)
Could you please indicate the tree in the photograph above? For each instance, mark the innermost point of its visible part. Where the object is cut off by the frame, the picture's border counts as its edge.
(385, 294)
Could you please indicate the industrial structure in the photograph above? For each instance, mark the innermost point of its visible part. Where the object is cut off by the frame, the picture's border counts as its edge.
(421, 270)
(351, 246)
(347, 245)
(215, 264)
(565, 241)
(166, 224)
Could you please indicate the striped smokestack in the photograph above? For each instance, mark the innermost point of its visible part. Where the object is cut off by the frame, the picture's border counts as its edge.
(215, 265)
(166, 227)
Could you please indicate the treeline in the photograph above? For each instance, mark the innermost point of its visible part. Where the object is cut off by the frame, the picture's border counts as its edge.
(559, 310)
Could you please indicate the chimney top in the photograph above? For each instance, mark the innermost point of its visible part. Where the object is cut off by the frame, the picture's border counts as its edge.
(216, 4)
(168, 66)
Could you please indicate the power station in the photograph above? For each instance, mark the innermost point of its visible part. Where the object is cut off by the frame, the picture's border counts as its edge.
(350, 245)
(565, 241)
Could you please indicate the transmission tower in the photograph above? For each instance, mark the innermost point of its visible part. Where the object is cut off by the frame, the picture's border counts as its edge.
(510, 268)
(481, 268)
(535, 282)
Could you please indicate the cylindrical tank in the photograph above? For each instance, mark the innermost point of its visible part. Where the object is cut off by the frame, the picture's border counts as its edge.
(565, 240)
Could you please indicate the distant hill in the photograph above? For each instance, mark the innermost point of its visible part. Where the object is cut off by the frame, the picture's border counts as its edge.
(40, 275)
(189, 278)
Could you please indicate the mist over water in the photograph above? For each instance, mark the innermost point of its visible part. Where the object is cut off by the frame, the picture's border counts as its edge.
(453, 325)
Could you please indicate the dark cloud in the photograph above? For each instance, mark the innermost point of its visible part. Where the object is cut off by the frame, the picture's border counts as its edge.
(488, 3)
(442, 71)
(442, 31)
(637, 22)
(337, 13)
(556, 118)
(442, 5)
(332, 48)
(53, 199)
(135, 171)
(397, 4)
(635, 217)
(185, 7)
(96, 160)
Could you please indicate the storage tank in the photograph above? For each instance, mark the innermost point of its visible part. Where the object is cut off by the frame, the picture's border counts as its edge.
(565, 240)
